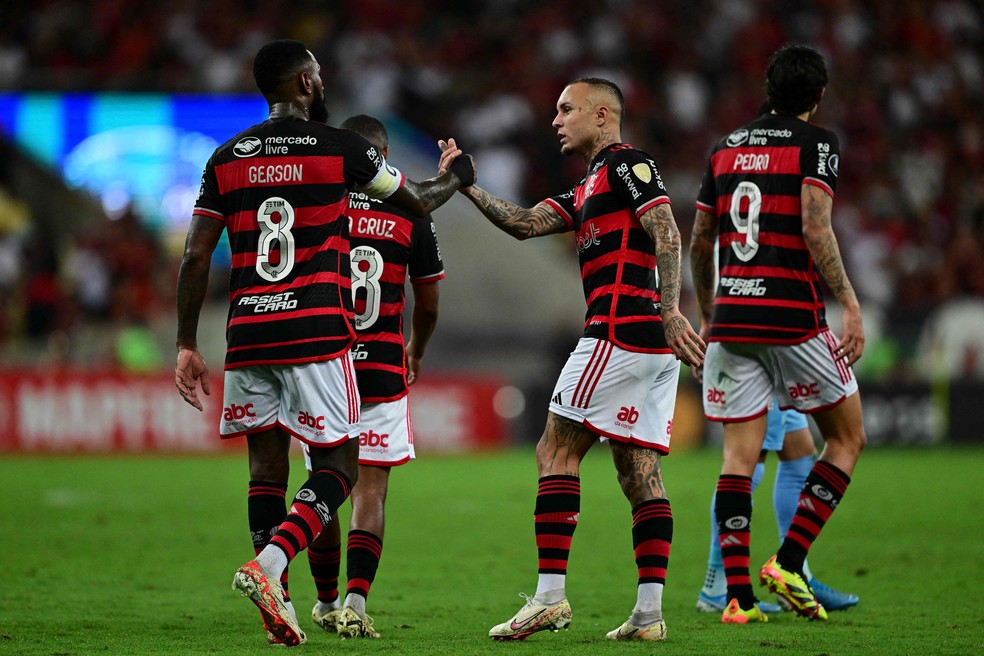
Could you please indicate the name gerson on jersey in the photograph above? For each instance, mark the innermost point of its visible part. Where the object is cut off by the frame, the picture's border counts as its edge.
(768, 287)
(387, 246)
(616, 254)
(281, 189)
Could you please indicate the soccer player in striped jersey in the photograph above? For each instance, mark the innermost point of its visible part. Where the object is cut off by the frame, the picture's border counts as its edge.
(766, 199)
(281, 191)
(388, 245)
(620, 381)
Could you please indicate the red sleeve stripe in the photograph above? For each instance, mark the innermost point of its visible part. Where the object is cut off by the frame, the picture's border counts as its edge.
(276, 171)
(425, 279)
(645, 207)
(817, 182)
(704, 207)
(561, 211)
(212, 214)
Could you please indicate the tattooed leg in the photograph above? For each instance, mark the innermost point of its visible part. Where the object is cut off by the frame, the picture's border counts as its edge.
(562, 446)
(638, 472)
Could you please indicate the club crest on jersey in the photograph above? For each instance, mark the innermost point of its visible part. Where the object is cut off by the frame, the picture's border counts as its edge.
(737, 138)
(643, 172)
(247, 147)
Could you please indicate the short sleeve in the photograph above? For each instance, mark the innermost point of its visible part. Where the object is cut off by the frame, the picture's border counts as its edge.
(209, 202)
(707, 196)
(820, 160)
(634, 178)
(425, 263)
(564, 204)
(366, 168)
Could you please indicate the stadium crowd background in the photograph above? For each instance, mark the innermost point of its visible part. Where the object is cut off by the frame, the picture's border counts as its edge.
(907, 79)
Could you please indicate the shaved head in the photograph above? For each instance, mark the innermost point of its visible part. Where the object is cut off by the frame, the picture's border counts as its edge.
(604, 92)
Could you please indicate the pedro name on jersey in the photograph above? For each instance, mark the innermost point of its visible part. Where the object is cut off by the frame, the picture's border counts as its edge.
(768, 288)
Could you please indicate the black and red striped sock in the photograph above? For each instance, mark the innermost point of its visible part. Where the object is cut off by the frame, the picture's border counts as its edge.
(312, 509)
(733, 512)
(266, 509)
(823, 490)
(361, 561)
(652, 532)
(558, 503)
(325, 565)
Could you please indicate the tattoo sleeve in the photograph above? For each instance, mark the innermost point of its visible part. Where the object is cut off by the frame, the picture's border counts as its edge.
(662, 228)
(520, 222)
(702, 262)
(817, 206)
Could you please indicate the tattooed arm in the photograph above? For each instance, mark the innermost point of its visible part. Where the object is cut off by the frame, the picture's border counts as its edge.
(817, 206)
(681, 337)
(518, 221)
(702, 265)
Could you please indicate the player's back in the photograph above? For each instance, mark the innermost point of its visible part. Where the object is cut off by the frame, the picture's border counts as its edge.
(768, 288)
(387, 245)
(281, 187)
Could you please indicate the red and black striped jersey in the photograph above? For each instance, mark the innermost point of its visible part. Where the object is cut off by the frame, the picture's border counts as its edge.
(281, 189)
(617, 255)
(768, 288)
(388, 244)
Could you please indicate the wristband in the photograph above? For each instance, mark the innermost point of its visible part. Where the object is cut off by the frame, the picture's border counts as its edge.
(463, 168)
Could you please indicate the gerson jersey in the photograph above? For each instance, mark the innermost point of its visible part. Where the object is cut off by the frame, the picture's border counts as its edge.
(617, 255)
(387, 245)
(281, 189)
(768, 289)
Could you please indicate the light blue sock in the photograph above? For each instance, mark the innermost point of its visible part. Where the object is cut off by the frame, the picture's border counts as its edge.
(714, 562)
(790, 476)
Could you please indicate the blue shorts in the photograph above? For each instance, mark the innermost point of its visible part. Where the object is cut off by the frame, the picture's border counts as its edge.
(780, 423)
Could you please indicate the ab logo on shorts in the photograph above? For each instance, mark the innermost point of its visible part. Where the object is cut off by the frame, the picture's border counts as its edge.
(240, 413)
(374, 439)
(804, 390)
(715, 396)
(627, 417)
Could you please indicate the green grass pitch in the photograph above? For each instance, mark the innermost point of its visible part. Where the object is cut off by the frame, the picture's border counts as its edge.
(135, 555)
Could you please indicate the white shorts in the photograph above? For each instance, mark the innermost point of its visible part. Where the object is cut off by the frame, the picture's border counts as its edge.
(385, 435)
(316, 402)
(623, 395)
(741, 379)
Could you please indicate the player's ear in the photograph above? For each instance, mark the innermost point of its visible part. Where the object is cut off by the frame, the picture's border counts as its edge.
(602, 114)
(306, 82)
